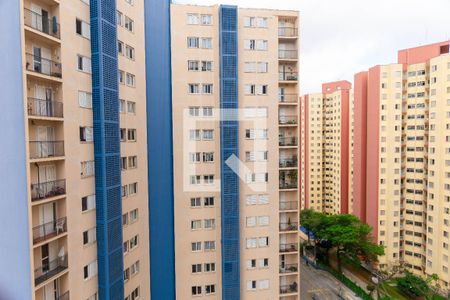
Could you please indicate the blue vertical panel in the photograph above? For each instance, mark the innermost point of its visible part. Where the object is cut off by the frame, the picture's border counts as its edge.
(15, 284)
(160, 152)
(228, 147)
(105, 104)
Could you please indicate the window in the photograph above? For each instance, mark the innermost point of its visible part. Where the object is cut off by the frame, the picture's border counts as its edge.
(195, 179)
(86, 134)
(196, 246)
(123, 134)
(193, 19)
(249, 21)
(94, 296)
(251, 243)
(196, 290)
(121, 76)
(132, 188)
(208, 134)
(83, 28)
(207, 88)
(207, 111)
(210, 267)
(134, 242)
(87, 168)
(123, 163)
(210, 289)
(90, 270)
(129, 51)
(263, 67)
(251, 285)
(210, 245)
(131, 107)
(131, 2)
(264, 284)
(251, 221)
(134, 215)
(121, 106)
(131, 80)
(125, 219)
(88, 203)
(129, 24)
(264, 263)
(263, 220)
(263, 241)
(251, 263)
(124, 191)
(250, 67)
(206, 66)
(196, 224)
(251, 199)
(208, 179)
(85, 99)
(194, 157)
(194, 111)
(134, 294)
(196, 268)
(206, 43)
(208, 156)
(194, 88)
(210, 223)
(196, 202)
(250, 44)
(132, 162)
(89, 236)
(209, 201)
(206, 20)
(126, 274)
(193, 65)
(119, 18)
(84, 64)
(194, 134)
(193, 42)
(132, 135)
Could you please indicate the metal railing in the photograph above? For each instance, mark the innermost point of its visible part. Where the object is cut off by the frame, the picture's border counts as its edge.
(48, 230)
(287, 31)
(48, 189)
(288, 185)
(287, 141)
(47, 25)
(64, 296)
(290, 247)
(46, 149)
(289, 288)
(291, 226)
(288, 98)
(284, 120)
(288, 268)
(287, 76)
(42, 65)
(44, 108)
(51, 269)
(289, 205)
(288, 54)
(288, 163)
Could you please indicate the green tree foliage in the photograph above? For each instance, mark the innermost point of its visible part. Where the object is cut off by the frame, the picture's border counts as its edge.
(413, 285)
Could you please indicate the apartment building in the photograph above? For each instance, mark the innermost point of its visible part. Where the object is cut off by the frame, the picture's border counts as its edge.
(81, 144)
(326, 141)
(400, 154)
(235, 133)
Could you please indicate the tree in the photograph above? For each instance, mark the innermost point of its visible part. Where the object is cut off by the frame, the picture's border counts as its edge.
(413, 285)
(313, 222)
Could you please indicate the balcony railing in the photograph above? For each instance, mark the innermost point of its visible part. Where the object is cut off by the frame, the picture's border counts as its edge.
(44, 190)
(287, 141)
(288, 163)
(64, 296)
(45, 108)
(288, 185)
(287, 54)
(286, 120)
(288, 76)
(51, 269)
(45, 24)
(288, 98)
(290, 247)
(288, 288)
(42, 65)
(49, 230)
(44, 149)
(287, 31)
(292, 226)
(288, 268)
(289, 205)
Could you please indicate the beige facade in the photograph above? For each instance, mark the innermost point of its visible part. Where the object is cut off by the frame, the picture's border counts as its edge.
(268, 101)
(59, 131)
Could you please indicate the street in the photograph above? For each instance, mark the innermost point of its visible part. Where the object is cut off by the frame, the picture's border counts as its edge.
(322, 284)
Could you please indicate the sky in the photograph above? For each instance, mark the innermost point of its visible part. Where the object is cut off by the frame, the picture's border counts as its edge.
(341, 38)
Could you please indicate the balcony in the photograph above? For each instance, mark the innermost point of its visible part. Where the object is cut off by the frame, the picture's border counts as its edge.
(287, 120)
(287, 54)
(64, 296)
(51, 269)
(49, 230)
(288, 76)
(288, 162)
(288, 98)
(289, 288)
(44, 108)
(287, 32)
(46, 149)
(291, 226)
(287, 141)
(289, 205)
(290, 247)
(288, 268)
(44, 24)
(38, 64)
(45, 190)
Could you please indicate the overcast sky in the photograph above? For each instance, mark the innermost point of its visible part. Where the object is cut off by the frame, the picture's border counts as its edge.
(341, 38)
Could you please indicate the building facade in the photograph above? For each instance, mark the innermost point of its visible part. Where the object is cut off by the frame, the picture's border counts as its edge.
(326, 141)
(235, 131)
(400, 154)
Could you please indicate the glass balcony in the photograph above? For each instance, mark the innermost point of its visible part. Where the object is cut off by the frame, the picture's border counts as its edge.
(45, 24)
(46, 149)
(44, 190)
(287, 54)
(287, 31)
(291, 226)
(45, 108)
(287, 141)
(38, 64)
(289, 247)
(288, 268)
(289, 205)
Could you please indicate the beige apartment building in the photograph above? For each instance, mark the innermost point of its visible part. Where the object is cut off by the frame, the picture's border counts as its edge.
(61, 154)
(235, 140)
(400, 154)
(326, 143)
